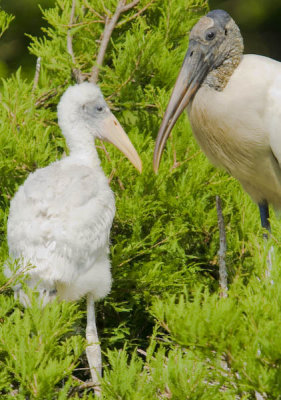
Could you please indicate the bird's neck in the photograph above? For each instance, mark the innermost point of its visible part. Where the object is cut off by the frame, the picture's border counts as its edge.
(219, 77)
(81, 146)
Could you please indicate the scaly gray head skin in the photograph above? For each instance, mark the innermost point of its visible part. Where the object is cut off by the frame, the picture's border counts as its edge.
(215, 50)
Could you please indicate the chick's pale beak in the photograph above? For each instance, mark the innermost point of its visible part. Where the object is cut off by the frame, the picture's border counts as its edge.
(189, 79)
(115, 134)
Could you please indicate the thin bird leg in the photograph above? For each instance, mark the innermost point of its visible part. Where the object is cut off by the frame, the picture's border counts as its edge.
(264, 214)
(93, 350)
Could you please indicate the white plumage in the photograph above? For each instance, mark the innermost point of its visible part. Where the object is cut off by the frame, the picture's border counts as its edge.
(61, 216)
(234, 106)
(60, 221)
(238, 127)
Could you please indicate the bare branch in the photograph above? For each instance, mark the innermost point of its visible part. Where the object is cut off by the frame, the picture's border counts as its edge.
(82, 386)
(94, 21)
(45, 97)
(222, 250)
(130, 5)
(85, 2)
(110, 24)
(37, 73)
(69, 36)
(136, 14)
(77, 74)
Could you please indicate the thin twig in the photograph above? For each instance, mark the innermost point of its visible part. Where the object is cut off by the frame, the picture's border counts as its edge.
(130, 5)
(19, 273)
(43, 99)
(93, 11)
(83, 386)
(136, 14)
(222, 250)
(106, 10)
(83, 23)
(110, 24)
(37, 73)
(77, 74)
(69, 36)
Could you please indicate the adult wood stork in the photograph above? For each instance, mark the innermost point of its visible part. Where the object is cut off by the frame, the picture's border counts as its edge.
(234, 106)
(61, 216)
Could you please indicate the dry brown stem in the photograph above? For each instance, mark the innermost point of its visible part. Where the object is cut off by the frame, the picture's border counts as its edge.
(136, 14)
(110, 24)
(77, 74)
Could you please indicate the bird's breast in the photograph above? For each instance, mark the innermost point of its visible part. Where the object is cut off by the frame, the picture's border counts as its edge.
(231, 127)
(228, 135)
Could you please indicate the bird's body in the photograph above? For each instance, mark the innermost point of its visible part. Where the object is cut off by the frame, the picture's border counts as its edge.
(59, 222)
(236, 130)
(60, 218)
(234, 107)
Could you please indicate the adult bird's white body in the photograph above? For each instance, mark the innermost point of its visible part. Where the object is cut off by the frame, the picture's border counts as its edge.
(234, 107)
(60, 218)
(238, 128)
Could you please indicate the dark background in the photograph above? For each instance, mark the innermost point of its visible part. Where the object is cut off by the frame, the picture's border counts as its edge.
(259, 21)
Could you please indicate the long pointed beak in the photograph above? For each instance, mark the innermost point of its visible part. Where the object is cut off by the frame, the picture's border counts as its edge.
(189, 80)
(113, 132)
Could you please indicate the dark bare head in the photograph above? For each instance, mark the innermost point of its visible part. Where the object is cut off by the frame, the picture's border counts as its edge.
(215, 50)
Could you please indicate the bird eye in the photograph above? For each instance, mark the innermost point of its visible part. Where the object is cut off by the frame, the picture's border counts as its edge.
(191, 54)
(225, 32)
(210, 35)
(99, 108)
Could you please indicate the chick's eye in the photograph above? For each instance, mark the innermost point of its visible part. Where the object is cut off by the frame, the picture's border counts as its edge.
(210, 35)
(99, 108)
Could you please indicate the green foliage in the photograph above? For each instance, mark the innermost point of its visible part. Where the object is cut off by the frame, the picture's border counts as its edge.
(176, 374)
(212, 347)
(164, 304)
(37, 353)
(5, 20)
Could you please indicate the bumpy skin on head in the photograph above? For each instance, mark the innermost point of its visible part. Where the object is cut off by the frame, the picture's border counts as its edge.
(215, 50)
